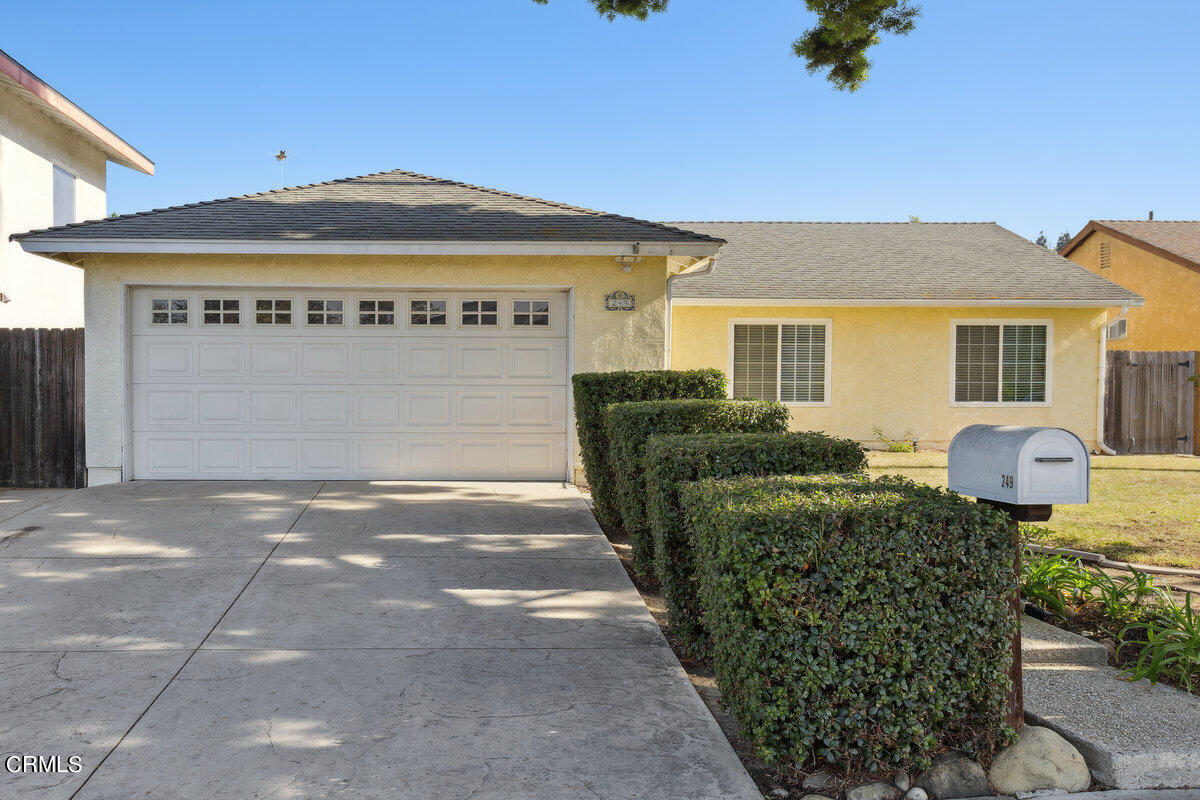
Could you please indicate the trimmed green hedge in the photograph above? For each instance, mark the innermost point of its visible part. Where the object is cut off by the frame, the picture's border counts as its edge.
(672, 460)
(630, 426)
(593, 391)
(859, 623)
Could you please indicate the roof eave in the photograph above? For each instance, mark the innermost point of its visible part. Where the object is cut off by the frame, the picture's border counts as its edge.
(60, 108)
(48, 244)
(941, 302)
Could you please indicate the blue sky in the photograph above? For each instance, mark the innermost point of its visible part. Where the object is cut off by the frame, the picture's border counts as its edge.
(1039, 115)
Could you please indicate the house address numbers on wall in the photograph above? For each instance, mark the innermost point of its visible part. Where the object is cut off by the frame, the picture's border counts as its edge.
(619, 301)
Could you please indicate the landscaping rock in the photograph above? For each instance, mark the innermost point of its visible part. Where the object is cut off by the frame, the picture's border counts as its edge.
(873, 791)
(818, 780)
(1040, 759)
(815, 797)
(916, 793)
(902, 782)
(954, 776)
(779, 791)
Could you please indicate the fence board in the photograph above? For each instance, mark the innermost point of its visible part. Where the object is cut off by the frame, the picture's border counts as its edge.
(41, 407)
(1150, 401)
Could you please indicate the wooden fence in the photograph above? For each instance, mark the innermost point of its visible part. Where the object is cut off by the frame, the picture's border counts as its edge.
(1150, 401)
(41, 407)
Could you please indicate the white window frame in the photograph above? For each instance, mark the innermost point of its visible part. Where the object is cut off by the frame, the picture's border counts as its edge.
(1047, 403)
(398, 303)
(531, 313)
(254, 298)
(170, 298)
(222, 299)
(428, 326)
(325, 324)
(780, 322)
(480, 326)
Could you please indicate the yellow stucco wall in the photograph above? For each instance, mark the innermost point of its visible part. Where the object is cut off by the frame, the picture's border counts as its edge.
(603, 340)
(44, 293)
(1170, 319)
(891, 367)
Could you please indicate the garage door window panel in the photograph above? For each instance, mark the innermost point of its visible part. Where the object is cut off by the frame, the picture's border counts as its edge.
(221, 311)
(480, 313)
(531, 313)
(325, 312)
(273, 311)
(375, 313)
(427, 313)
(169, 311)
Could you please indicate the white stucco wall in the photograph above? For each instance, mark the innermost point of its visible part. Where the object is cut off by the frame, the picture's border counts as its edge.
(44, 293)
(601, 340)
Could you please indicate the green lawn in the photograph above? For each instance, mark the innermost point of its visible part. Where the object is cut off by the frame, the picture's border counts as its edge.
(1144, 508)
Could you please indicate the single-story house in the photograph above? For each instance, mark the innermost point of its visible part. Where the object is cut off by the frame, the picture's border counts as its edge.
(920, 328)
(1158, 259)
(53, 170)
(396, 325)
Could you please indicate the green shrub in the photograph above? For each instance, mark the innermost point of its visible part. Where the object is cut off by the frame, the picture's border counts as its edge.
(630, 426)
(672, 460)
(593, 391)
(864, 624)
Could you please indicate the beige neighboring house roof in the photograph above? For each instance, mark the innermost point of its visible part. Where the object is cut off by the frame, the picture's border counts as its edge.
(36, 91)
(384, 212)
(891, 263)
(1174, 240)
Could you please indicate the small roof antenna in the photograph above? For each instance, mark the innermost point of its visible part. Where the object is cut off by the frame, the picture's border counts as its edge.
(280, 156)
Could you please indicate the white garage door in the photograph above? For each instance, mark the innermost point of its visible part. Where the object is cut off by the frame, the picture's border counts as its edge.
(326, 383)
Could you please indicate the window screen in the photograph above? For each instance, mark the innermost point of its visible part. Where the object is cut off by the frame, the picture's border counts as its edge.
(802, 363)
(1000, 363)
(756, 361)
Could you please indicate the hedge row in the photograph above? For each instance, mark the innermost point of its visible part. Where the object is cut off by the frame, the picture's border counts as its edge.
(859, 623)
(629, 427)
(593, 391)
(672, 460)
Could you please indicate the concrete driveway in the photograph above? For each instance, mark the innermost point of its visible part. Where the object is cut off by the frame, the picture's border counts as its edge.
(343, 639)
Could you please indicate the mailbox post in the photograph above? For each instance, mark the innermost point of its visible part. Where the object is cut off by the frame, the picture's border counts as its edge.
(1024, 472)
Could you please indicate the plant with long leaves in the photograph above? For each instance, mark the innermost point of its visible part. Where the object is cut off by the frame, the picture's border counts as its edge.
(1055, 583)
(1172, 646)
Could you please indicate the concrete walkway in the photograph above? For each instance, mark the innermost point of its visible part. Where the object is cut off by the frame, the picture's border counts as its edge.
(300, 640)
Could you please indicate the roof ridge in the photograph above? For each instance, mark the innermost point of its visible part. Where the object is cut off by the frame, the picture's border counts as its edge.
(1150, 221)
(410, 173)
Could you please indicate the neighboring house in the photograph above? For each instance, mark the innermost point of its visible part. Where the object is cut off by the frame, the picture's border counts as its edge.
(1160, 260)
(52, 172)
(921, 327)
(400, 326)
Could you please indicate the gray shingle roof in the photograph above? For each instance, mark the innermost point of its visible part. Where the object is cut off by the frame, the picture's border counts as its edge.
(385, 206)
(890, 261)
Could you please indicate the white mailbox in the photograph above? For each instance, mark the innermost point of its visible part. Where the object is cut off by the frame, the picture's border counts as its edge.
(1020, 466)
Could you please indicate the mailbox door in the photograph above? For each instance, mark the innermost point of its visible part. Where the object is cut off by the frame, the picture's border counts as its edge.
(1053, 469)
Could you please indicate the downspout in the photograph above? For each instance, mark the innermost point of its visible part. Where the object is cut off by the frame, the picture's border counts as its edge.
(1101, 373)
(701, 267)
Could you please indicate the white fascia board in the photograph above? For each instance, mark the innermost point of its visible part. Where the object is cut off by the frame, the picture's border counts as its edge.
(73, 244)
(901, 302)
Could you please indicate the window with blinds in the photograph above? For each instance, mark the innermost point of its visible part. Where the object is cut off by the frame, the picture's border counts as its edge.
(1000, 363)
(785, 362)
